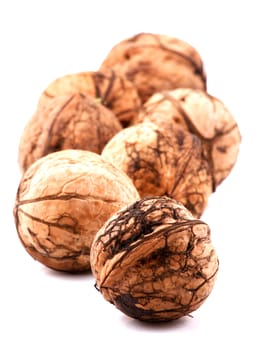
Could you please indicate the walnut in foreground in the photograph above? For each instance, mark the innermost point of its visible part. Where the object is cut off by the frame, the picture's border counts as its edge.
(62, 201)
(74, 121)
(155, 62)
(154, 261)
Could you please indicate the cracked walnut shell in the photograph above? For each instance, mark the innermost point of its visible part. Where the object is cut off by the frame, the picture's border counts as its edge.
(113, 91)
(203, 115)
(74, 121)
(62, 201)
(163, 162)
(154, 261)
(155, 62)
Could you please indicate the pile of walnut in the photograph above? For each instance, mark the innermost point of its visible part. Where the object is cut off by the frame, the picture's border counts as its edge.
(117, 169)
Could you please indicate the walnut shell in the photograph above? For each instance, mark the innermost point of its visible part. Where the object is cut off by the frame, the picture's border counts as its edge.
(154, 261)
(114, 91)
(73, 121)
(163, 162)
(62, 201)
(203, 115)
(155, 62)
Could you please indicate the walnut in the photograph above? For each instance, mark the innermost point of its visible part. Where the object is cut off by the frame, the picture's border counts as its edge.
(203, 115)
(163, 162)
(114, 91)
(73, 121)
(62, 201)
(155, 62)
(154, 261)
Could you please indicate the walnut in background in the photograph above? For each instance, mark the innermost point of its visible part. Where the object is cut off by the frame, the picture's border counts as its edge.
(73, 121)
(112, 90)
(155, 62)
(203, 115)
(163, 162)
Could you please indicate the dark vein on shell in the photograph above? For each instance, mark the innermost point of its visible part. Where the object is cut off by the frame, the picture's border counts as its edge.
(66, 197)
(169, 229)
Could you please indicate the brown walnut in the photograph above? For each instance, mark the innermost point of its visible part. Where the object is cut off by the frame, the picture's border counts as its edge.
(203, 115)
(112, 90)
(62, 201)
(155, 62)
(163, 162)
(154, 261)
(73, 121)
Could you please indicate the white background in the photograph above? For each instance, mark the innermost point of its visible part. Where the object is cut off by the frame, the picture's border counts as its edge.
(41, 41)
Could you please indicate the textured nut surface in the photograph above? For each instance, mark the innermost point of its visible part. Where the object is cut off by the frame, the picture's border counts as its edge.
(114, 91)
(163, 162)
(73, 121)
(62, 201)
(155, 62)
(154, 261)
(203, 115)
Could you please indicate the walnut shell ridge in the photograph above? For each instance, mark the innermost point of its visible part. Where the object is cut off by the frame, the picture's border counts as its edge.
(163, 162)
(74, 121)
(154, 261)
(62, 201)
(155, 62)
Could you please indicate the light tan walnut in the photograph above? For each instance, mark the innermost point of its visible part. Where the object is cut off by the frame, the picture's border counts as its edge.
(154, 261)
(163, 162)
(62, 201)
(155, 62)
(203, 115)
(73, 121)
(112, 90)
